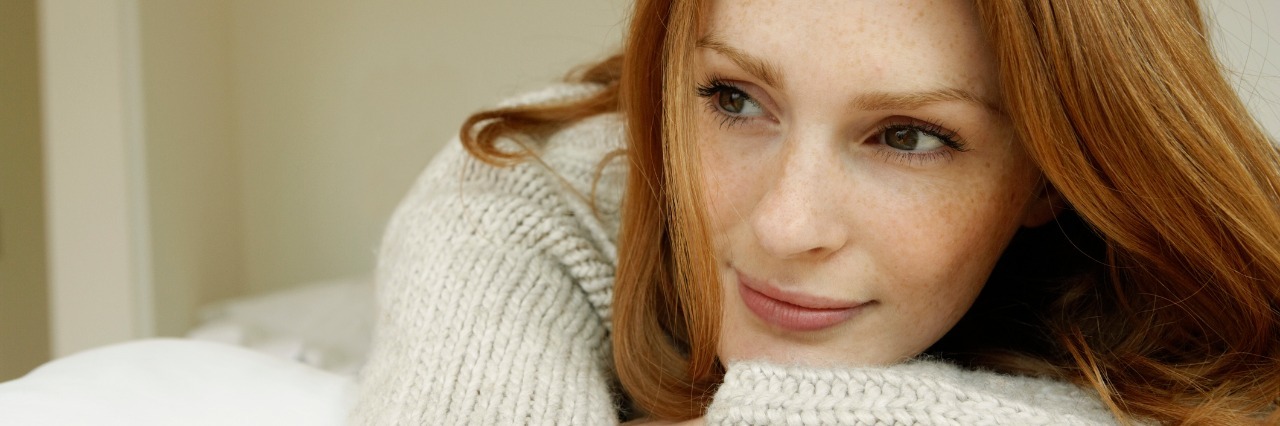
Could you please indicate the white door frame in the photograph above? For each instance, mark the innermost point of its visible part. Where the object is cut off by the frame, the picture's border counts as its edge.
(95, 176)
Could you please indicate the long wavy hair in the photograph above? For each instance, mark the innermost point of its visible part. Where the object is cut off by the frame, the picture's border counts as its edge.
(1158, 286)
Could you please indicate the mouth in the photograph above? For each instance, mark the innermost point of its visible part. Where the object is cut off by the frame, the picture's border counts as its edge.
(794, 311)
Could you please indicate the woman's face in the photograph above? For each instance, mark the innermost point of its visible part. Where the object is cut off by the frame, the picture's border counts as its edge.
(861, 177)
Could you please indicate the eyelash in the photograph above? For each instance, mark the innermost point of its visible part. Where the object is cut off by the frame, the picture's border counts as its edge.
(716, 85)
(708, 91)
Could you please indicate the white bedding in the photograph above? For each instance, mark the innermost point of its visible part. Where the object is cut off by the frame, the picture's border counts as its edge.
(325, 324)
(175, 382)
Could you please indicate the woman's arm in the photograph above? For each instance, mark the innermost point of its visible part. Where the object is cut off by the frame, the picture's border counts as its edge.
(917, 392)
(483, 317)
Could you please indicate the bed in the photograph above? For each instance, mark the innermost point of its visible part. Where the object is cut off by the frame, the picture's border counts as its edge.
(282, 358)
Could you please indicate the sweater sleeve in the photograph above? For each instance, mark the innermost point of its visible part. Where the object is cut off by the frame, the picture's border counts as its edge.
(918, 392)
(492, 308)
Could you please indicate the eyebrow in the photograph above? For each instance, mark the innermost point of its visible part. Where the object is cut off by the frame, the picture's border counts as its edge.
(752, 65)
(877, 101)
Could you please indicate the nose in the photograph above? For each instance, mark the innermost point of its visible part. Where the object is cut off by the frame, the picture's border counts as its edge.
(798, 217)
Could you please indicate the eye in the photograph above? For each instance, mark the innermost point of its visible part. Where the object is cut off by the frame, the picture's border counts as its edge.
(917, 142)
(914, 136)
(736, 102)
(908, 138)
(732, 105)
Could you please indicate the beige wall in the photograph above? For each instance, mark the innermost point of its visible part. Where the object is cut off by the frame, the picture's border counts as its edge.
(205, 149)
(24, 319)
(1246, 34)
(279, 135)
(192, 168)
(339, 104)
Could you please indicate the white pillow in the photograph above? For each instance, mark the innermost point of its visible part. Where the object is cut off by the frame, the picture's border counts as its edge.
(175, 382)
(324, 324)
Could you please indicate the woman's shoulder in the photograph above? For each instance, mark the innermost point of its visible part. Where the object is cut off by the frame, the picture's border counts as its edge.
(494, 289)
(559, 207)
(573, 168)
(574, 165)
(928, 391)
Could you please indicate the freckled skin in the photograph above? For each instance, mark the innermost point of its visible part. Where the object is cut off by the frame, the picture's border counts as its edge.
(810, 201)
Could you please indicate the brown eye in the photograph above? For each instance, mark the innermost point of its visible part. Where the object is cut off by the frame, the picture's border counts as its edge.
(732, 101)
(904, 138)
(735, 102)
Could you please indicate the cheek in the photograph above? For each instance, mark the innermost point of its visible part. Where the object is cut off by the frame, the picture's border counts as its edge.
(947, 239)
(932, 267)
(732, 182)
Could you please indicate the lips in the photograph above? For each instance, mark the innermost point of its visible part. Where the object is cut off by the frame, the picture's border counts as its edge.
(793, 311)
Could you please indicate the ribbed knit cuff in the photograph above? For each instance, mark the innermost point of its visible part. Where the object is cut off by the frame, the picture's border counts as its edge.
(920, 392)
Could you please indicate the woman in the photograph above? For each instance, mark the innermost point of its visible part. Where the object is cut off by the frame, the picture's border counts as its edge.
(849, 212)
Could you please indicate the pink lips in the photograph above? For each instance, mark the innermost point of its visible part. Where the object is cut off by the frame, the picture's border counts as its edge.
(791, 311)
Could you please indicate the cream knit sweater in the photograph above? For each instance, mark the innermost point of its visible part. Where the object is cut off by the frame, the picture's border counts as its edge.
(494, 293)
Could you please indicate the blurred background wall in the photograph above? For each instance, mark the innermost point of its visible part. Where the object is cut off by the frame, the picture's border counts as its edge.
(24, 336)
(339, 104)
(237, 147)
(280, 134)
(254, 145)
(1246, 37)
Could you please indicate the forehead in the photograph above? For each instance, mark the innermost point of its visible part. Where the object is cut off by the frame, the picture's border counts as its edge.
(891, 44)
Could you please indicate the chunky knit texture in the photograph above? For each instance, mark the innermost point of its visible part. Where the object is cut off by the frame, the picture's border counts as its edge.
(494, 293)
(494, 287)
(918, 392)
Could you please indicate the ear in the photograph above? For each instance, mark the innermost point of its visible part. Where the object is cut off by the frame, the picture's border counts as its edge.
(1043, 207)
